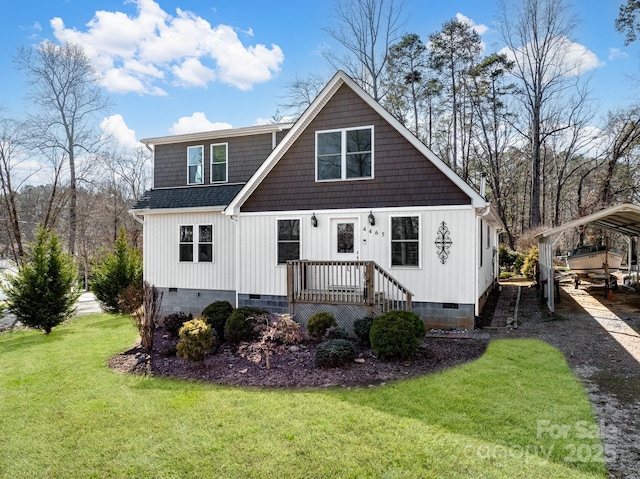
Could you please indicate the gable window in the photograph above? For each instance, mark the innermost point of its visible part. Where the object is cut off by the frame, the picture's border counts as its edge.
(344, 154)
(195, 155)
(405, 241)
(219, 162)
(288, 240)
(204, 244)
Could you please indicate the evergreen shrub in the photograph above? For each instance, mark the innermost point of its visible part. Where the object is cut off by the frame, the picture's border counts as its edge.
(318, 324)
(334, 353)
(196, 339)
(216, 314)
(396, 335)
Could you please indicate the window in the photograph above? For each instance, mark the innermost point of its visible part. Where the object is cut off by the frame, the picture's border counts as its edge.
(405, 241)
(288, 240)
(186, 243)
(205, 243)
(344, 154)
(345, 238)
(195, 156)
(219, 163)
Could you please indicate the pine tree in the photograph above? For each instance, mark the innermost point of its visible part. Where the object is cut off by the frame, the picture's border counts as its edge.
(116, 272)
(41, 295)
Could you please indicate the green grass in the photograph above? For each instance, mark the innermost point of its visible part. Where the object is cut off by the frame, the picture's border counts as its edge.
(63, 413)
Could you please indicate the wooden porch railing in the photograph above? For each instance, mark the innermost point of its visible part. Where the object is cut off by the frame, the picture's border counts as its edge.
(355, 283)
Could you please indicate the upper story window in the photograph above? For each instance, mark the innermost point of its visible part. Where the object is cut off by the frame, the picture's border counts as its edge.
(405, 241)
(219, 162)
(345, 154)
(195, 164)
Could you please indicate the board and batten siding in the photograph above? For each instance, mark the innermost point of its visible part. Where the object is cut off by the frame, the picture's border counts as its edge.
(162, 267)
(452, 282)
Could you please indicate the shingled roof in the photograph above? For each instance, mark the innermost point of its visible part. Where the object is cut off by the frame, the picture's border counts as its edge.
(189, 197)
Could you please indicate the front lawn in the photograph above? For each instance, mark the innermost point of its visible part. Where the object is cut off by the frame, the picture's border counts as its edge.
(517, 412)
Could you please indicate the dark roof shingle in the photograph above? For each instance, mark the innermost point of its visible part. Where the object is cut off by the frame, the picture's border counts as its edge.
(189, 197)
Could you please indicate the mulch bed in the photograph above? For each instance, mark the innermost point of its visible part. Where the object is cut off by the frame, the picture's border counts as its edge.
(295, 368)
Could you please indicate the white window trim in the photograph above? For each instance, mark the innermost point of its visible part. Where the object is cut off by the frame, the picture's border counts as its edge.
(226, 162)
(196, 242)
(281, 218)
(343, 153)
(202, 176)
(420, 242)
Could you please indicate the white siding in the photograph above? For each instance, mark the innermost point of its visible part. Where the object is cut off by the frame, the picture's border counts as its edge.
(162, 267)
(455, 281)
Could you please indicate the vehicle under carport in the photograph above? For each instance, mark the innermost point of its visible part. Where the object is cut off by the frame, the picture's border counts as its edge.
(623, 219)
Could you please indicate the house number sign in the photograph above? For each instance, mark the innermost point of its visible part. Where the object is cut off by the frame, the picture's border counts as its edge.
(443, 242)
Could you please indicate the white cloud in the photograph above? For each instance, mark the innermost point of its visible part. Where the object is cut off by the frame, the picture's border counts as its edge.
(569, 58)
(479, 29)
(196, 123)
(616, 54)
(134, 53)
(119, 133)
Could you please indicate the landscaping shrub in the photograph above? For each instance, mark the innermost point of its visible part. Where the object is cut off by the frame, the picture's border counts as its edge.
(283, 330)
(173, 322)
(41, 294)
(362, 328)
(336, 332)
(240, 326)
(334, 352)
(118, 270)
(318, 324)
(396, 334)
(216, 315)
(196, 339)
(529, 266)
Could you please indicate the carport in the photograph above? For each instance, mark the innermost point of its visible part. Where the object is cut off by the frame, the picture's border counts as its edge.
(623, 219)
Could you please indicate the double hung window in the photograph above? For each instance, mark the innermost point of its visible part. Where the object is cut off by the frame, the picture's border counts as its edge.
(219, 162)
(288, 240)
(195, 165)
(405, 241)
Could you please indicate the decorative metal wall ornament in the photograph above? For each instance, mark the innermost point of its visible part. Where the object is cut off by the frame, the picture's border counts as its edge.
(443, 242)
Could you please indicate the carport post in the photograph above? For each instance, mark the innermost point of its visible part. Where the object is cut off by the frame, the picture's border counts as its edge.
(545, 260)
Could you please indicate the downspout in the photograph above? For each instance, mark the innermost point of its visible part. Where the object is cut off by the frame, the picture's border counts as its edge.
(235, 219)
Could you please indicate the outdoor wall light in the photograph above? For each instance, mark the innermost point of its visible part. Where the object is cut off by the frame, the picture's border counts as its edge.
(372, 219)
(314, 220)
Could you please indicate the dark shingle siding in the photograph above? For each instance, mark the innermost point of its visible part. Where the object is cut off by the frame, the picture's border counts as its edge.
(246, 154)
(191, 197)
(403, 176)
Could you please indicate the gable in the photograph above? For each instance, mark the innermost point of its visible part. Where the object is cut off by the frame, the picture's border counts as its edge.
(402, 176)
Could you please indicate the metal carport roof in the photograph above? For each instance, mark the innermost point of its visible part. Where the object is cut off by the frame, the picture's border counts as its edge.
(623, 218)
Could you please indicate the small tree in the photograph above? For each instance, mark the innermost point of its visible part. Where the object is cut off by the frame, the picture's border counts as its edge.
(116, 272)
(41, 295)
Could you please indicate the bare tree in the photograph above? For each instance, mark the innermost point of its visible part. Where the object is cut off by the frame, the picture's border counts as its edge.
(366, 29)
(537, 34)
(61, 80)
(301, 91)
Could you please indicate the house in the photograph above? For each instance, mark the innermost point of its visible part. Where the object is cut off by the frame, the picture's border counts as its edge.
(344, 210)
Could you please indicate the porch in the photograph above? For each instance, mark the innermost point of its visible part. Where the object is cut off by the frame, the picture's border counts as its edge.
(352, 284)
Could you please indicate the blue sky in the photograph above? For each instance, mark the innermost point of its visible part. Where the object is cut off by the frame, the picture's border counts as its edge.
(174, 66)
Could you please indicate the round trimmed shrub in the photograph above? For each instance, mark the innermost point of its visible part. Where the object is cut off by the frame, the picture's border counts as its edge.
(173, 322)
(396, 335)
(216, 315)
(336, 332)
(318, 324)
(196, 339)
(362, 328)
(240, 326)
(334, 352)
